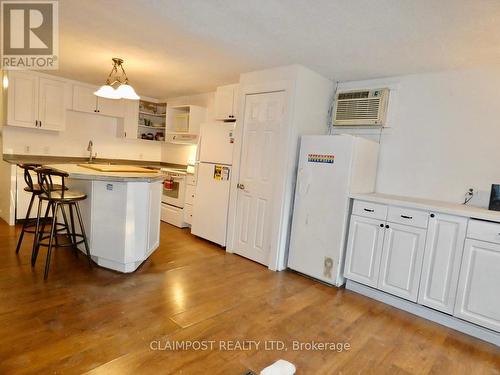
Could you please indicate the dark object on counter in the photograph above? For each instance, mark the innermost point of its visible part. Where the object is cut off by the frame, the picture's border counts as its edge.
(495, 198)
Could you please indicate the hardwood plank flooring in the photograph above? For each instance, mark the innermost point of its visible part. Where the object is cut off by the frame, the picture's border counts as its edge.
(96, 321)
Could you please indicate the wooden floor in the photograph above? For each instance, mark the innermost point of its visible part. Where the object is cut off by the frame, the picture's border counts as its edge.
(97, 321)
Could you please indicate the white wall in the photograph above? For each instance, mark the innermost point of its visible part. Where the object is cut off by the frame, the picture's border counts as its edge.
(182, 154)
(445, 135)
(80, 128)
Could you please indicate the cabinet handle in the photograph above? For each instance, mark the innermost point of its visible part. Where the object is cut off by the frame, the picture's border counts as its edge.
(36, 123)
(368, 210)
(406, 217)
(387, 226)
(432, 215)
(40, 123)
(381, 225)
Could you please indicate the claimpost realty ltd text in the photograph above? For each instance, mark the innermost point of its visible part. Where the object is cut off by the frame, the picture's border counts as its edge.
(248, 345)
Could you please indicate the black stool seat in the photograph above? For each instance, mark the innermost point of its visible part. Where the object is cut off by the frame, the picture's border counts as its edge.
(67, 195)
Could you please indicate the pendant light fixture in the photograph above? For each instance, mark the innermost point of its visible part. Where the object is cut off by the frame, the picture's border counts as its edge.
(118, 77)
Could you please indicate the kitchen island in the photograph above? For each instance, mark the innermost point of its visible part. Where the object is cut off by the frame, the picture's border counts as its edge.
(121, 213)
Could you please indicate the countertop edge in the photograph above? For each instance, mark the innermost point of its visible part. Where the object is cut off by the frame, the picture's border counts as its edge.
(430, 205)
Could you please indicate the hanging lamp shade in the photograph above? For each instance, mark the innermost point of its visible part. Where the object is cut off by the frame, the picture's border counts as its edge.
(117, 77)
(107, 91)
(126, 91)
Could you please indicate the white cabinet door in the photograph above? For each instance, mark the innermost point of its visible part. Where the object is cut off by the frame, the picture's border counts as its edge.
(52, 104)
(364, 249)
(84, 99)
(402, 260)
(111, 107)
(478, 289)
(22, 106)
(224, 101)
(441, 265)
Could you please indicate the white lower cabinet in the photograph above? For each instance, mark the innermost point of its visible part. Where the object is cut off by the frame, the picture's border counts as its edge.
(447, 263)
(478, 293)
(441, 266)
(401, 263)
(364, 249)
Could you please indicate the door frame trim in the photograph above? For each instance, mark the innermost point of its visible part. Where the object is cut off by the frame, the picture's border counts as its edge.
(278, 240)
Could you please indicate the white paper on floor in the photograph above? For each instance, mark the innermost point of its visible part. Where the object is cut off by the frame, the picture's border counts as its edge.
(280, 367)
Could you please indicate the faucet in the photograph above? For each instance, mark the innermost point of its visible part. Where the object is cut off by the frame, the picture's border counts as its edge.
(90, 148)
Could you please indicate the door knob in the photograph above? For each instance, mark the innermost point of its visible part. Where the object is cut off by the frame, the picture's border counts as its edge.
(240, 186)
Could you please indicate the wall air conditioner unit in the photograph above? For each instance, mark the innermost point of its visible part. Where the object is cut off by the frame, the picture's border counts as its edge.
(361, 107)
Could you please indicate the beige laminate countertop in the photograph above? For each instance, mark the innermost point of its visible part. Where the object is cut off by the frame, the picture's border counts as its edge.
(431, 205)
(81, 173)
(49, 160)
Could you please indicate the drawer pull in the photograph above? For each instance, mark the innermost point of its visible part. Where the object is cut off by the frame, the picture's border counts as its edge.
(406, 217)
(368, 210)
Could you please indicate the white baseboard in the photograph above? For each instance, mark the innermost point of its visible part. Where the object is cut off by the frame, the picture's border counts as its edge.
(427, 313)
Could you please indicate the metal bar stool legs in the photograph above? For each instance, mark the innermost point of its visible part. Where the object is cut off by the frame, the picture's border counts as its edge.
(26, 224)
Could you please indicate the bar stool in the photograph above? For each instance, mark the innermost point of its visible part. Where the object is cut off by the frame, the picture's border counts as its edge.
(35, 191)
(57, 200)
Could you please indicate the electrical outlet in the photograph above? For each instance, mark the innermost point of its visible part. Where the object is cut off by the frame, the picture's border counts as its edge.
(141, 156)
(26, 149)
(46, 150)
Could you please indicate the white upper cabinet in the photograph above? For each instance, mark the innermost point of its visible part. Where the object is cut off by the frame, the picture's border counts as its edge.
(402, 260)
(226, 102)
(478, 296)
(112, 107)
(22, 105)
(84, 100)
(34, 101)
(364, 249)
(185, 119)
(441, 265)
(52, 104)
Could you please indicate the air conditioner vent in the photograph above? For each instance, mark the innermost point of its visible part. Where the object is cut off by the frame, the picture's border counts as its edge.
(361, 108)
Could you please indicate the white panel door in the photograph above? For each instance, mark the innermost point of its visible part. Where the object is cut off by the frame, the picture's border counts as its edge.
(22, 100)
(402, 260)
(478, 289)
(364, 250)
(263, 129)
(441, 266)
(52, 104)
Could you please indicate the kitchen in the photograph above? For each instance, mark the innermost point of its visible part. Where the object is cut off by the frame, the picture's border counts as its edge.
(211, 197)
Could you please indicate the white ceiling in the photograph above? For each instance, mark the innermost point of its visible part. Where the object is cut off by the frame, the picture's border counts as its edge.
(178, 47)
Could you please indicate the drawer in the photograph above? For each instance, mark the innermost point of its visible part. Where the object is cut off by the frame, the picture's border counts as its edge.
(408, 216)
(484, 231)
(190, 179)
(190, 189)
(369, 209)
(188, 213)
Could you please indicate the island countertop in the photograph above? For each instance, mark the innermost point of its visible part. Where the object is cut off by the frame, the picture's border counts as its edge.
(78, 172)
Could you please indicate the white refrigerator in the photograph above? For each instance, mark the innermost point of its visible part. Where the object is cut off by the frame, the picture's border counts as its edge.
(330, 168)
(214, 173)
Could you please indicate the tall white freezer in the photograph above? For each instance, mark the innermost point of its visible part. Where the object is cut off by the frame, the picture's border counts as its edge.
(214, 172)
(330, 168)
